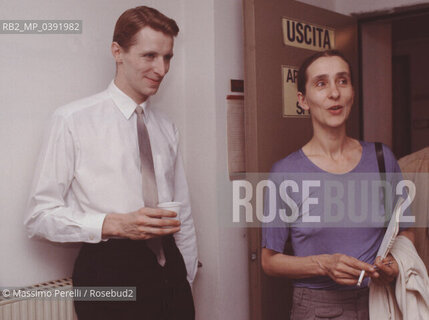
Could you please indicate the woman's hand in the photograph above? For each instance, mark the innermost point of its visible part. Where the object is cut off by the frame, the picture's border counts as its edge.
(341, 268)
(387, 269)
(344, 269)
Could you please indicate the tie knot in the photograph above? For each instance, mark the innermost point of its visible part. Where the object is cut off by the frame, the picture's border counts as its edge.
(139, 110)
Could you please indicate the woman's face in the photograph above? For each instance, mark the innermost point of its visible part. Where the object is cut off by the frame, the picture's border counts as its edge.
(329, 92)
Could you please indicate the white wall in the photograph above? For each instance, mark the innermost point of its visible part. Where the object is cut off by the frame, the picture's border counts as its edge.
(201, 149)
(200, 135)
(42, 72)
(213, 55)
(233, 253)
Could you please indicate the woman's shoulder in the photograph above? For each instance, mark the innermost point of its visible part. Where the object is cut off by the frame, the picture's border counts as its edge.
(390, 161)
(290, 163)
(386, 150)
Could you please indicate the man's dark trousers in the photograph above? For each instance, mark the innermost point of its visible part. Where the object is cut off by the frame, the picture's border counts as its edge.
(163, 293)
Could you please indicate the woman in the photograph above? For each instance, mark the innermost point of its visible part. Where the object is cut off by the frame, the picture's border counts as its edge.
(327, 262)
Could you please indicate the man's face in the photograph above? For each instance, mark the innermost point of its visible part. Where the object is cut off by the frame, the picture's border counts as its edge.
(141, 69)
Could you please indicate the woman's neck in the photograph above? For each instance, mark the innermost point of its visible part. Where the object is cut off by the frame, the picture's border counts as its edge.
(329, 142)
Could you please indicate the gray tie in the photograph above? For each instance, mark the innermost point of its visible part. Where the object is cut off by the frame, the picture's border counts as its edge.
(150, 191)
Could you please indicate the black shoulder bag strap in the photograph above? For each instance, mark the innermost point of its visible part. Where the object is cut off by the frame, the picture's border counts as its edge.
(380, 159)
(381, 166)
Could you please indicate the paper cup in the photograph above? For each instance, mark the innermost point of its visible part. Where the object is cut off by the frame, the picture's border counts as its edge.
(171, 206)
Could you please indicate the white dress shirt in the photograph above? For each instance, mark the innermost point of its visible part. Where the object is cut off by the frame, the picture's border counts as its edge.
(89, 166)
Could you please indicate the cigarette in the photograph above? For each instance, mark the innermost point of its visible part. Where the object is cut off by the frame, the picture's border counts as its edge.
(362, 273)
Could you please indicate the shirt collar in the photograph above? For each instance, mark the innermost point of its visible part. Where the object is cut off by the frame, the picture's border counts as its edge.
(124, 103)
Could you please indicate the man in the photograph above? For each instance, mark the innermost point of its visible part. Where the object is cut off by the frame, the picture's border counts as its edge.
(415, 167)
(107, 161)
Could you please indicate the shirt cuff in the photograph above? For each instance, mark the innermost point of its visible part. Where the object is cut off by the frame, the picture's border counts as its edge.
(93, 225)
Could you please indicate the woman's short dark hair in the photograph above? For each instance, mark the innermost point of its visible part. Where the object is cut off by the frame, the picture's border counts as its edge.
(302, 73)
(133, 20)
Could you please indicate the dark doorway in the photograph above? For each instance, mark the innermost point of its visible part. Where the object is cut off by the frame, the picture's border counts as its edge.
(410, 87)
(395, 91)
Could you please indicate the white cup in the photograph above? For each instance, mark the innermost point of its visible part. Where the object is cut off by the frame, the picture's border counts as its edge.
(171, 206)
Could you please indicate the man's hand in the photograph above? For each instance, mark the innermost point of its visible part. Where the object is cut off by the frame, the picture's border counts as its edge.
(343, 269)
(388, 270)
(142, 224)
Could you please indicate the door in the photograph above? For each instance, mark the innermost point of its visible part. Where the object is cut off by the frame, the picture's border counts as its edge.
(279, 34)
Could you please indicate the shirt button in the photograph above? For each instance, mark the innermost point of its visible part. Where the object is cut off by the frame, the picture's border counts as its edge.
(91, 237)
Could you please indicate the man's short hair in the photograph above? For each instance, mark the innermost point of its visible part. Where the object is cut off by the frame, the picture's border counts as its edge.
(133, 20)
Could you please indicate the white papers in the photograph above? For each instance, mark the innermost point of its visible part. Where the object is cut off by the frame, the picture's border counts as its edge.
(392, 230)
